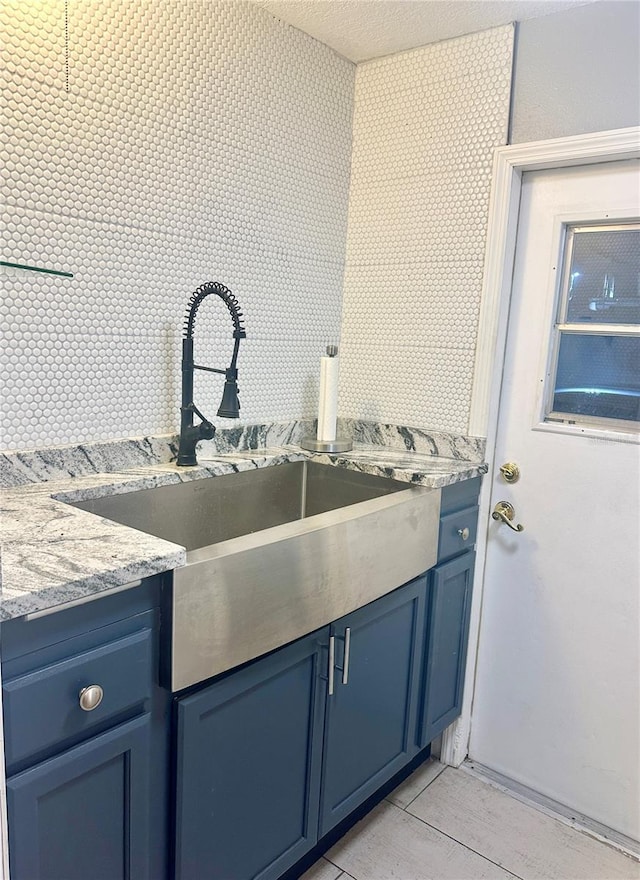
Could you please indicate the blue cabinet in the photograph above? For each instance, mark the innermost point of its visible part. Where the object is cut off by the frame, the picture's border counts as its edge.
(248, 771)
(87, 780)
(448, 611)
(85, 813)
(371, 716)
(269, 761)
(446, 645)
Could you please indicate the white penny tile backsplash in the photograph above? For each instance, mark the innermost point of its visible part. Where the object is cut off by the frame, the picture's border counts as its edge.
(196, 142)
(426, 123)
(155, 145)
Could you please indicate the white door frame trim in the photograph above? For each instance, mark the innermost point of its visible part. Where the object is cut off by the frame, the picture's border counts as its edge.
(508, 167)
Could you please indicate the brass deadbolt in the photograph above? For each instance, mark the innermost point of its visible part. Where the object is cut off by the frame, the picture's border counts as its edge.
(510, 471)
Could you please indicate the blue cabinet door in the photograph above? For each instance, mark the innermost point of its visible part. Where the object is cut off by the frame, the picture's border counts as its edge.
(370, 723)
(85, 813)
(446, 645)
(248, 773)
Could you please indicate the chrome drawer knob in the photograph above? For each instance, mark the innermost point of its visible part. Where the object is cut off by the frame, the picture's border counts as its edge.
(91, 697)
(464, 533)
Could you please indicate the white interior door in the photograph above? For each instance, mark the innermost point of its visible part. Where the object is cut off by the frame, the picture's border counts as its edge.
(557, 698)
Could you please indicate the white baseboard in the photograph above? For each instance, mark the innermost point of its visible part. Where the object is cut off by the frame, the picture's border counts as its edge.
(549, 807)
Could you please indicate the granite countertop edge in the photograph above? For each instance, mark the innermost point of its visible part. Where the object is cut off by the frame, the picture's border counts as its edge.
(54, 554)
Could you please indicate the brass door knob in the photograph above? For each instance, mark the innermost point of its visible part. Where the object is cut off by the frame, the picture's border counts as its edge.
(504, 512)
(90, 697)
(510, 471)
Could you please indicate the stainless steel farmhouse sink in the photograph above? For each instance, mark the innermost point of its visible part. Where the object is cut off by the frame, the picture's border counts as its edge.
(274, 553)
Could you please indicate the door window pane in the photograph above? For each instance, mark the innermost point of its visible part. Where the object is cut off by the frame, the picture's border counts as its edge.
(604, 276)
(595, 370)
(598, 376)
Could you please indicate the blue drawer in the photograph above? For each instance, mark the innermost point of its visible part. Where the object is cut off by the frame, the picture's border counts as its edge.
(457, 532)
(42, 708)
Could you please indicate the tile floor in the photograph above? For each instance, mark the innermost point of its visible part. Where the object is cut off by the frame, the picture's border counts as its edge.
(446, 824)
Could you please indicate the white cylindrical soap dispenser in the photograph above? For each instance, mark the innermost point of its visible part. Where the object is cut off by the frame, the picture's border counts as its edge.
(326, 440)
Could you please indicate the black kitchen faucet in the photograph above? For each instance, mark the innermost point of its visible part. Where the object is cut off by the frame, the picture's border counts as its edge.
(190, 434)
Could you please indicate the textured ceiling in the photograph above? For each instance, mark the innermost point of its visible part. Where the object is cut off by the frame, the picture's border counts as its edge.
(364, 29)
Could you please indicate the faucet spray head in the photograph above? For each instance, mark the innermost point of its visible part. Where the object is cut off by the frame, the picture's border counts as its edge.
(230, 404)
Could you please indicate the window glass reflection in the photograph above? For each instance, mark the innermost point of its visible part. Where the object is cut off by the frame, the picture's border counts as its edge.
(598, 376)
(604, 278)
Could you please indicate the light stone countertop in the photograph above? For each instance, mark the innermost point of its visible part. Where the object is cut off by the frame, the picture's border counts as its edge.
(53, 553)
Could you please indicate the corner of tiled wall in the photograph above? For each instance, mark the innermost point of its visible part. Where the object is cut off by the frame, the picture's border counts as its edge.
(156, 145)
(426, 123)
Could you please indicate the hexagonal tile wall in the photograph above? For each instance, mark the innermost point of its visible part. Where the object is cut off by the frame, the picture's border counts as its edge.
(159, 145)
(426, 123)
(194, 142)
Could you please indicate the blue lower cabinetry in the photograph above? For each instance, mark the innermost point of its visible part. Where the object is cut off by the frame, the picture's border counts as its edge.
(87, 782)
(446, 645)
(269, 761)
(85, 813)
(248, 772)
(370, 720)
(262, 763)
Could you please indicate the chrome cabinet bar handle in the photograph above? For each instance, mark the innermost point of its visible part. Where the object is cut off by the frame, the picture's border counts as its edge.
(332, 660)
(347, 652)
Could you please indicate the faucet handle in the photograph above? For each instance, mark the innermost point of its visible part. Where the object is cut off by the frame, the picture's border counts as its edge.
(207, 430)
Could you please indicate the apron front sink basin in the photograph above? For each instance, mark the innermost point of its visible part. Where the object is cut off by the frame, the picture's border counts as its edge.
(275, 553)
